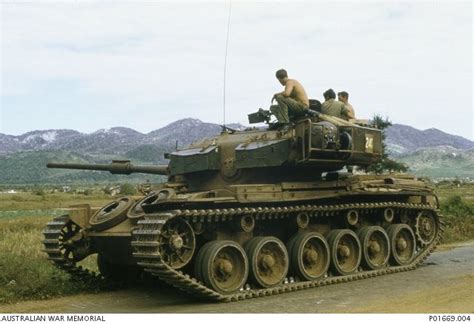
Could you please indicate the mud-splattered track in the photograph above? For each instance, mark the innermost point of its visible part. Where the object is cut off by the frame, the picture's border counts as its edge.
(443, 284)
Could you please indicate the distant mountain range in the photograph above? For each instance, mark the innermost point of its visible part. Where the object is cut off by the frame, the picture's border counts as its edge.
(441, 162)
(22, 158)
(116, 140)
(403, 139)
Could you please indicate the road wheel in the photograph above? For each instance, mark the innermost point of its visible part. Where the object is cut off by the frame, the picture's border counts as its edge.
(268, 260)
(345, 251)
(222, 266)
(375, 247)
(309, 255)
(402, 242)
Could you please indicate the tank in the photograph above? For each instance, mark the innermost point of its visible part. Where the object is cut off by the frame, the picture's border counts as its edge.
(257, 212)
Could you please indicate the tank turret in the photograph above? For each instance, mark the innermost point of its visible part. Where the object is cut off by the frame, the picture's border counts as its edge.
(313, 145)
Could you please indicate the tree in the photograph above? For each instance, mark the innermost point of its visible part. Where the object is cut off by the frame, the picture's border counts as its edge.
(127, 189)
(385, 164)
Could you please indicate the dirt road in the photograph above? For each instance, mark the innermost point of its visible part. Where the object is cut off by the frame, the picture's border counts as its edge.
(445, 283)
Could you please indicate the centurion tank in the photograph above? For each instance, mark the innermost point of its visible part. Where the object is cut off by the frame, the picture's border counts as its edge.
(258, 212)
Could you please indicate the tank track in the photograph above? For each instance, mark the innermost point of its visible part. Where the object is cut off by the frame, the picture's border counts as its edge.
(144, 241)
(51, 243)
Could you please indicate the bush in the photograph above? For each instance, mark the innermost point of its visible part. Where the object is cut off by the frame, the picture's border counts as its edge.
(39, 192)
(127, 189)
(456, 206)
(459, 219)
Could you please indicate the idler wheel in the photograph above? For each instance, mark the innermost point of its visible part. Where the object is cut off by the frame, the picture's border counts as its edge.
(402, 242)
(425, 227)
(72, 245)
(375, 247)
(309, 255)
(222, 266)
(111, 214)
(268, 260)
(177, 243)
(345, 251)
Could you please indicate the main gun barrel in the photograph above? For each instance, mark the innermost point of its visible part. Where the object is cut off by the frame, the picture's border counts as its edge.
(116, 167)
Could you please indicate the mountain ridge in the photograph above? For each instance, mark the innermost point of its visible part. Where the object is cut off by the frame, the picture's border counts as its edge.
(116, 140)
(430, 152)
(401, 139)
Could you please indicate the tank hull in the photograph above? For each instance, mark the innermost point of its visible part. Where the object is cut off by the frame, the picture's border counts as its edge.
(246, 241)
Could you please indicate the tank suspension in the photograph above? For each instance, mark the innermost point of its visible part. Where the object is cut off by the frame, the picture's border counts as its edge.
(221, 267)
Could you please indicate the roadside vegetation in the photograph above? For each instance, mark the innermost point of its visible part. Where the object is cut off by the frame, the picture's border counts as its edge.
(26, 274)
(24, 271)
(457, 207)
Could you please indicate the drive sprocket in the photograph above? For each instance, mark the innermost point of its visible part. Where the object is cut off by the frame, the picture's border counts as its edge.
(425, 227)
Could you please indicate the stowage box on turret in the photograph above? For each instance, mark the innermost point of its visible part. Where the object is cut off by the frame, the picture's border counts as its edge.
(257, 212)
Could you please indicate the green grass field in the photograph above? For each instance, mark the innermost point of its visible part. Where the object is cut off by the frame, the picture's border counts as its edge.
(466, 191)
(33, 201)
(25, 273)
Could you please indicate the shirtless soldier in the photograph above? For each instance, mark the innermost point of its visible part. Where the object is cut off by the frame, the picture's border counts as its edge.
(292, 101)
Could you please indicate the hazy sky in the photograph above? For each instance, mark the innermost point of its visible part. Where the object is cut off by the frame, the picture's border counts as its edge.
(88, 65)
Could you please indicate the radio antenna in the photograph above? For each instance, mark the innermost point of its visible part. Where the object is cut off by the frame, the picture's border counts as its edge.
(226, 48)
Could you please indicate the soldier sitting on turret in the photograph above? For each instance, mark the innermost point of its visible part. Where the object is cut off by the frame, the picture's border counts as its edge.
(343, 97)
(335, 108)
(293, 101)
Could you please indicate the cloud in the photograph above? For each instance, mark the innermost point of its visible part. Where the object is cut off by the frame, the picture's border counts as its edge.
(145, 64)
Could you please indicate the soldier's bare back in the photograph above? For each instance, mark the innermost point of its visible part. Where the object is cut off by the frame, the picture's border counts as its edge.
(297, 91)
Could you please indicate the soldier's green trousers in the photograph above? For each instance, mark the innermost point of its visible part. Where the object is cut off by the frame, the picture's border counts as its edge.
(287, 107)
